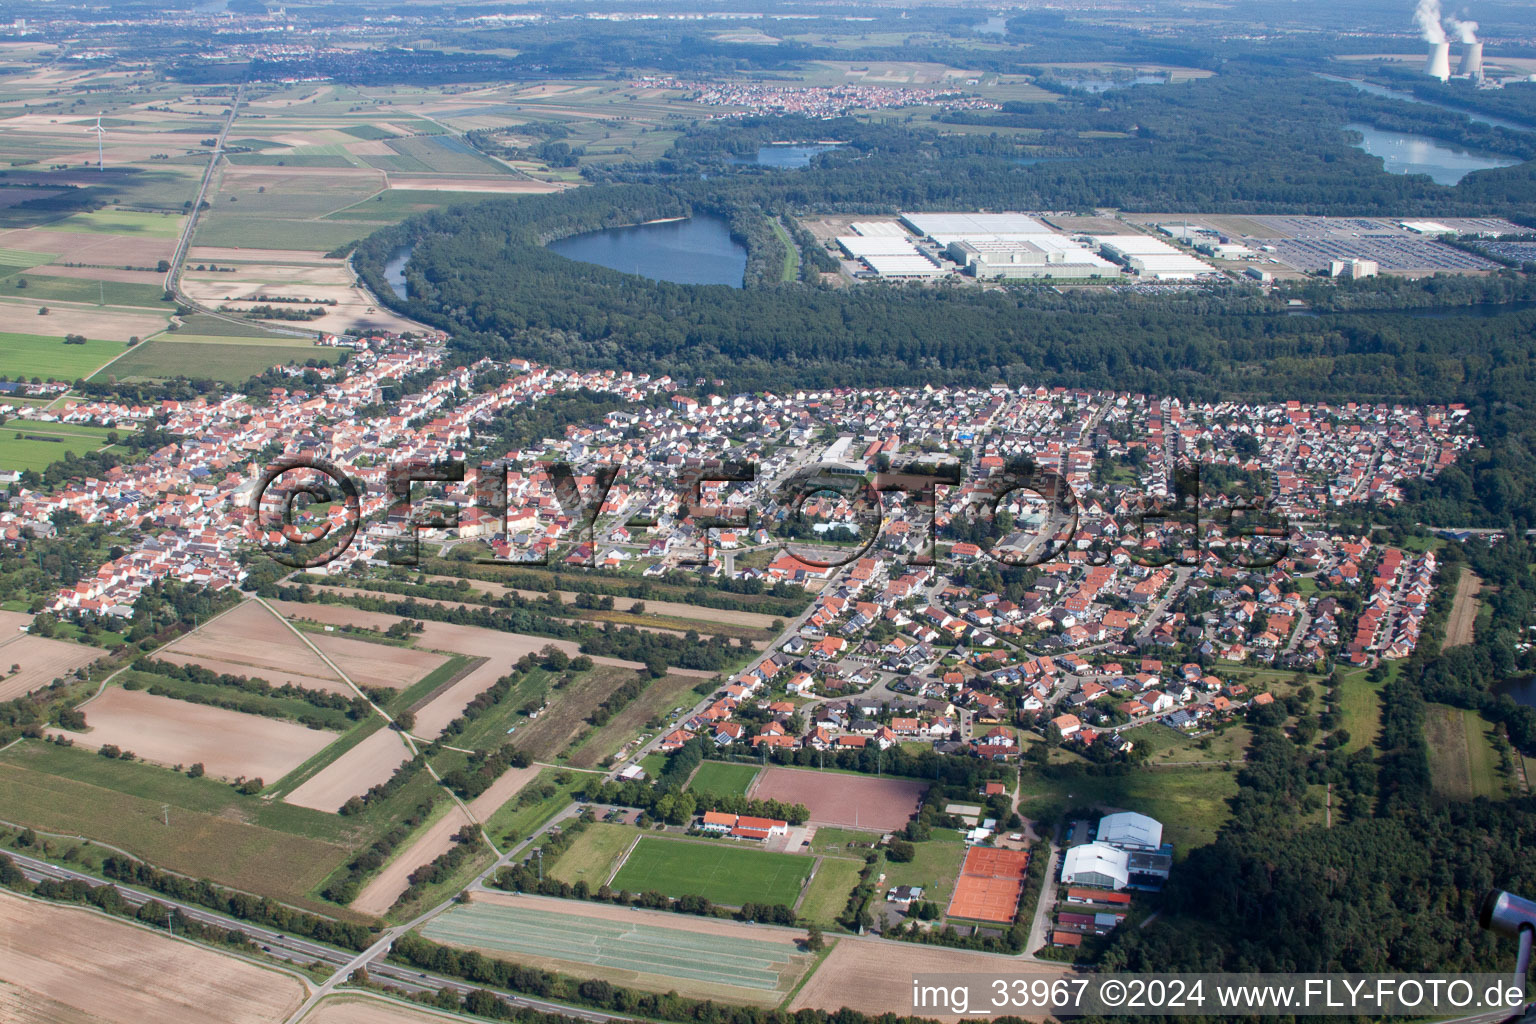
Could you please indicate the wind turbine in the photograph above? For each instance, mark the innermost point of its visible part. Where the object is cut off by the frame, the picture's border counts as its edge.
(100, 131)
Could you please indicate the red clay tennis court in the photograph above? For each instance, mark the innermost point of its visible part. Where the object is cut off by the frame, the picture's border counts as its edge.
(989, 885)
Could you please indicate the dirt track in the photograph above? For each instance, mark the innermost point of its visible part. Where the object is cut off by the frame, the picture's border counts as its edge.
(1463, 619)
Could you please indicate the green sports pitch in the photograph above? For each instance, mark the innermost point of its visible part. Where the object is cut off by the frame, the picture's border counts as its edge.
(722, 871)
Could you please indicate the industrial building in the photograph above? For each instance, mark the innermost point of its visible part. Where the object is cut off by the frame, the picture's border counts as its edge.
(1009, 257)
(892, 256)
(952, 226)
(1151, 258)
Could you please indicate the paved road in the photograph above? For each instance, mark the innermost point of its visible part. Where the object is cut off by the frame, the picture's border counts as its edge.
(173, 276)
(304, 952)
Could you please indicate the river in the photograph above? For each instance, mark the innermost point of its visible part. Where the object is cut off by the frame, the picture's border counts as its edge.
(1408, 97)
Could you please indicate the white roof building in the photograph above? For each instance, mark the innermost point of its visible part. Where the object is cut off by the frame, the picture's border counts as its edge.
(1097, 864)
(1128, 830)
(932, 225)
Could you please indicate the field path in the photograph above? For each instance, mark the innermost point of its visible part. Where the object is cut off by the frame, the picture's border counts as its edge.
(1463, 619)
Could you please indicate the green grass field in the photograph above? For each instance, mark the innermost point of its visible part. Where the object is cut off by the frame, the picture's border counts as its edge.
(23, 258)
(399, 203)
(721, 871)
(122, 222)
(79, 289)
(1190, 802)
(260, 233)
(935, 867)
(528, 812)
(672, 952)
(1462, 762)
(1359, 710)
(717, 778)
(827, 894)
(592, 856)
(230, 361)
(37, 355)
(42, 444)
(271, 849)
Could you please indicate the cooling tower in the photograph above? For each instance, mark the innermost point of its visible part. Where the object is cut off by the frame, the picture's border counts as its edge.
(1472, 61)
(1439, 63)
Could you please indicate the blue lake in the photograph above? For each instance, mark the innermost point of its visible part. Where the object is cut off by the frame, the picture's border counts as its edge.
(1444, 162)
(1106, 84)
(698, 250)
(793, 156)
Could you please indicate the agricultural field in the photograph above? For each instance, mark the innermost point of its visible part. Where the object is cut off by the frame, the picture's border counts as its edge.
(230, 360)
(369, 763)
(655, 952)
(30, 662)
(378, 665)
(358, 1009)
(858, 972)
(72, 966)
(123, 222)
(1460, 626)
(68, 284)
(249, 640)
(173, 732)
(271, 849)
(721, 871)
(1463, 764)
(398, 203)
(323, 283)
(719, 778)
(856, 801)
(656, 701)
(430, 842)
(37, 355)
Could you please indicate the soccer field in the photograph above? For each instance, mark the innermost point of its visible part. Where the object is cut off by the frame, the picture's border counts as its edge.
(721, 871)
(718, 778)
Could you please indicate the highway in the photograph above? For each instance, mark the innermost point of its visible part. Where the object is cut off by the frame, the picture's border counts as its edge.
(303, 952)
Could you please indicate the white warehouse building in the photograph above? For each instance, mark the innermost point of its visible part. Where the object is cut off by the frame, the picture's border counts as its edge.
(1013, 257)
(1128, 830)
(892, 256)
(1152, 258)
(1096, 864)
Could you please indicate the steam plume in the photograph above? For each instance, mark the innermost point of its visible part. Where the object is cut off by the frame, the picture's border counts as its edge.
(1427, 16)
(1466, 31)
